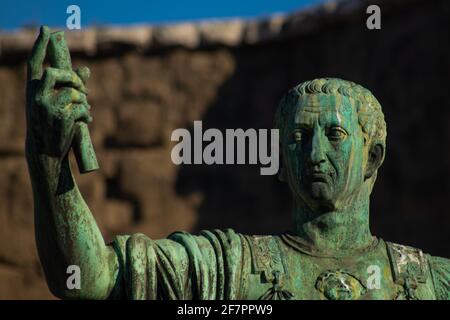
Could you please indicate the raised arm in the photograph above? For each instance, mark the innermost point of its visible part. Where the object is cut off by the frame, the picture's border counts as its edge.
(66, 232)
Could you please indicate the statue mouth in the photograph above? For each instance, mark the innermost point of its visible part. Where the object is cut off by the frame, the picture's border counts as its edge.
(320, 177)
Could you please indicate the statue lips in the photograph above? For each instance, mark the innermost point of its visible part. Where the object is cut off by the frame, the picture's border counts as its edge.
(320, 177)
(318, 187)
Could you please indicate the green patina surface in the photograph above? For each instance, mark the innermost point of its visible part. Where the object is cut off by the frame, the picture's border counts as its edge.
(333, 137)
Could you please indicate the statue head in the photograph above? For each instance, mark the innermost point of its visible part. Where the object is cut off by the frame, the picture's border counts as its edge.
(332, 142)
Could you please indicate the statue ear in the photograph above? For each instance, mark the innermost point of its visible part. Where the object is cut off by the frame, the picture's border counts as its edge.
(376, 156)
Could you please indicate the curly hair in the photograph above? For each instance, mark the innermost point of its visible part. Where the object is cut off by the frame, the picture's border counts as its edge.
(370, 115)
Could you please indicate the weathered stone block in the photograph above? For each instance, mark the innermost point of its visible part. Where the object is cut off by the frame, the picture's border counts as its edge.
(183, 34)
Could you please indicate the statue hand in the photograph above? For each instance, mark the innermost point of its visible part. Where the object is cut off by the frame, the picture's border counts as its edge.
(56, 100)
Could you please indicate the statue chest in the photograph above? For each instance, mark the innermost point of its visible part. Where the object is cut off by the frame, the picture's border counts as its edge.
(281, 272)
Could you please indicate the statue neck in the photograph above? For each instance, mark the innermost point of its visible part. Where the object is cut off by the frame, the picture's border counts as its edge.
(344, 230)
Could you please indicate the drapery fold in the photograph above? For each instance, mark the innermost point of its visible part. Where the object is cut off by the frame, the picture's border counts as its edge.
(183, 266)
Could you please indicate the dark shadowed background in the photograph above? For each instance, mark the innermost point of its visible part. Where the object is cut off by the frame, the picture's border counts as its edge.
(147, 81)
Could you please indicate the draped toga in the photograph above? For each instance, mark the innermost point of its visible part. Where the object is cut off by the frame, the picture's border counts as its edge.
(219, 264)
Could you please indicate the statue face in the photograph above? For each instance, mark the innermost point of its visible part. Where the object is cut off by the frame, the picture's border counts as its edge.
(324, 151)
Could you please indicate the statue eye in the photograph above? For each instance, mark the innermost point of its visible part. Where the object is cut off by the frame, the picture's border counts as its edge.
(336, 134)
(297, 136)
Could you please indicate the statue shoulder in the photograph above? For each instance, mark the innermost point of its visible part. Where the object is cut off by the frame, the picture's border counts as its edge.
(268, 258)
(211, 244)
(407, 262)
(411, 267)
(226, 238)
(183, 264)
(179, 240)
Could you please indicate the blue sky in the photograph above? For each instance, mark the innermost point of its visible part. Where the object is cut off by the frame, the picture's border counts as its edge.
(15, 14)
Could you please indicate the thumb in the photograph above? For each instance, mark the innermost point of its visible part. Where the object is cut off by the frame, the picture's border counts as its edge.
(84, 73)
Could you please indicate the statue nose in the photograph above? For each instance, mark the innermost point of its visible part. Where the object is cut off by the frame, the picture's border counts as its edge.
(317, 155)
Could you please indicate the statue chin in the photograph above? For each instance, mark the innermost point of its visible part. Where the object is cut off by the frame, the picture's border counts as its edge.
(319, 195)
(320, 191)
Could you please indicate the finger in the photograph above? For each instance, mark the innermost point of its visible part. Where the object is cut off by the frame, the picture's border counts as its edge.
(38, 54)
(58, 51)
(80, 112)
(53, 76)
(68, 96)
(84, 73)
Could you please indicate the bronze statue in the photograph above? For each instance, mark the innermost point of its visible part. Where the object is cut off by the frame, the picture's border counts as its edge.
(332, 143)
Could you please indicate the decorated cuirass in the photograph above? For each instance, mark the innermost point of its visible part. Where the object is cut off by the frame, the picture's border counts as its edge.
(282, 269)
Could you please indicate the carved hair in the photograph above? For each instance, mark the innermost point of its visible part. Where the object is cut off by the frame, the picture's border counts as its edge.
(370, 115)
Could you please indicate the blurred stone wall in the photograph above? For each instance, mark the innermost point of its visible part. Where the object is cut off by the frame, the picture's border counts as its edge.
(146, 81)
